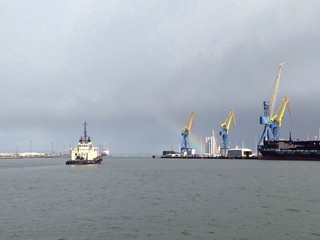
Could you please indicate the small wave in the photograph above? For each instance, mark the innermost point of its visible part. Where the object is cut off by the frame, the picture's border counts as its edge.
(292, 210)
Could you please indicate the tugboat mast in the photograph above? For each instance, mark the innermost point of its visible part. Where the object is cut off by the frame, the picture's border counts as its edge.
(85, 131)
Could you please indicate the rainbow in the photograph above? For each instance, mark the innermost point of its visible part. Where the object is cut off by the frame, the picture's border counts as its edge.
(196, 141)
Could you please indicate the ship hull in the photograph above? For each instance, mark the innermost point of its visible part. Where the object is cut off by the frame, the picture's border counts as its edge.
(294, 157)
(290, 150)
(84, 162)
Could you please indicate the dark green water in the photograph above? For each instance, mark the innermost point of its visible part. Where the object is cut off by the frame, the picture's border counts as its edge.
(145, 198)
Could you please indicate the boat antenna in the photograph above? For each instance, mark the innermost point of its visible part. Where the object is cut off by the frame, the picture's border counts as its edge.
(85, 131)
(290, 138)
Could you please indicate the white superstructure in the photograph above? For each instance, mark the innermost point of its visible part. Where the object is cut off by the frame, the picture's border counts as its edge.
(85, 149)
(239, 152)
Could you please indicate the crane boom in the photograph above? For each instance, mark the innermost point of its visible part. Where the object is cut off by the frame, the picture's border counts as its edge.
(279, 115)
(230, 118)
(275, 90)
(188, 126)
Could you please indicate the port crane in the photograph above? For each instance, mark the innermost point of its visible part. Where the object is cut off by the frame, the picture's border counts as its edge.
(225, 129)
(271, 127)
(185, 135)
(276, 119)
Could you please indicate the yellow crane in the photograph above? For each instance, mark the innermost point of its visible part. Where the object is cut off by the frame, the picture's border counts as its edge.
(270, 128)
(185, 134)
(189, 124)
(275, 91)
(277, 118)
(225, 128)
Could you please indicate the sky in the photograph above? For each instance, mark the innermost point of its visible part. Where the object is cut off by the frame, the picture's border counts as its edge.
(136, 69)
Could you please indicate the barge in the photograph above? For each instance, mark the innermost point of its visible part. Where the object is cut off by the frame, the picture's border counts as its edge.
(290, 150)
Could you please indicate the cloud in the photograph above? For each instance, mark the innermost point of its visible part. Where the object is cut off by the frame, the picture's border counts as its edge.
(136, 69)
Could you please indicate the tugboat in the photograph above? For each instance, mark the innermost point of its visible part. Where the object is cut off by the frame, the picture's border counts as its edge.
(85, 153)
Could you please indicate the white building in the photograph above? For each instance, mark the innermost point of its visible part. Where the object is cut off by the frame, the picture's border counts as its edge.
(239, 152)
(212, 146)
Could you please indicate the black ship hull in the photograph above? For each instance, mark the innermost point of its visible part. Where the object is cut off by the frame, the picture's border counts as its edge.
(290, 150)
(97, 160)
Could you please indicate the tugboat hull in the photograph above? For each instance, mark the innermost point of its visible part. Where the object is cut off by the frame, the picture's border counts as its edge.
(84, 162)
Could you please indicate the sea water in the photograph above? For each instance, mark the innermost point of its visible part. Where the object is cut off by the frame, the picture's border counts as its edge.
(145, 198)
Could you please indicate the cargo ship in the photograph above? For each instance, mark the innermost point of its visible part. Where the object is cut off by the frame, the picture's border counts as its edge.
(290, 150)
(271, 147)
(84, 153)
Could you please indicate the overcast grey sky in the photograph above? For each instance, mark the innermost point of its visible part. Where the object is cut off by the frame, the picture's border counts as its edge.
(135, 69)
